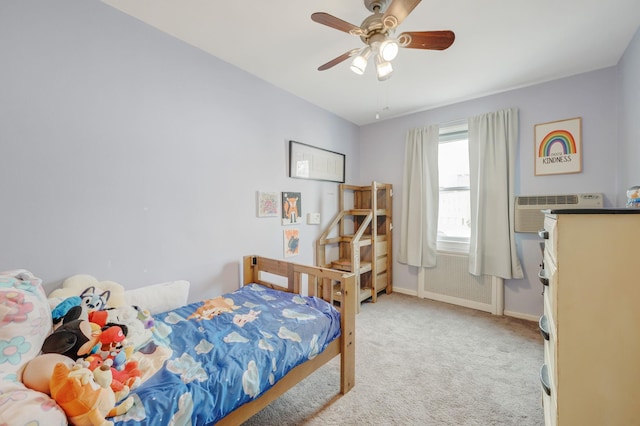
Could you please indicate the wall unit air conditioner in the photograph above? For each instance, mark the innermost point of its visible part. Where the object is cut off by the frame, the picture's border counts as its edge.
(529, 216)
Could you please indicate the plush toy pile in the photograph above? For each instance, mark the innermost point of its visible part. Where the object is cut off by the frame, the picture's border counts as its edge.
(86, 363)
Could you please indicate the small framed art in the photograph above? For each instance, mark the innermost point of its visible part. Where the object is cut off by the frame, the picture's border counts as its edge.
(558, 147)
(268, 203)
(291, 208)
(291, 242)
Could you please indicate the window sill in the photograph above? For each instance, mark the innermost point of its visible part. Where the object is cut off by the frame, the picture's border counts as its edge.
(452, 247)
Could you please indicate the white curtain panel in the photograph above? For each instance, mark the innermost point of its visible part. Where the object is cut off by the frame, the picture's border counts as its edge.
(419, 216)
(493, 140)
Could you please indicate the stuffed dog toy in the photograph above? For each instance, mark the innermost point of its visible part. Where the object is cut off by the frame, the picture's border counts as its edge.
(85, 396)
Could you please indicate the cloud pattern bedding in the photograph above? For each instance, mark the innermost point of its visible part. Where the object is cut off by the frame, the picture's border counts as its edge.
(226, 351)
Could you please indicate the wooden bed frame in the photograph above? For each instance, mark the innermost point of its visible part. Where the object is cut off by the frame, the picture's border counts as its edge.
(319, 282)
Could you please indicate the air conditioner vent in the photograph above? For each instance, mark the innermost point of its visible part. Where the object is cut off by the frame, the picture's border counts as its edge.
(546, 200)
(529, 216)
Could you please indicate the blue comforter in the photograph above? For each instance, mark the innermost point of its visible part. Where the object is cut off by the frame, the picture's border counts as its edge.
(226, 351)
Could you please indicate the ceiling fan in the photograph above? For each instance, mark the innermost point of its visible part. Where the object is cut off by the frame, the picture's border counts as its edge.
(376, 31)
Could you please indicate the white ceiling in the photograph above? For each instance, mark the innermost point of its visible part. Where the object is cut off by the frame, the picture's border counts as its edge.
(500, 45)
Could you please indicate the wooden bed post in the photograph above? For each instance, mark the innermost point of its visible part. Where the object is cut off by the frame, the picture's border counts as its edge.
(348, 345)
(249, 272)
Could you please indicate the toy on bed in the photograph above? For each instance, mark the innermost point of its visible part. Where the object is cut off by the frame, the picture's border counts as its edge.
(86, 396)
(75, 337)
(86, 291)
(79, 339)
(37, 372)
(83, 297)
(129, 376)
(117, 357)
(137, 322)
(26, 323)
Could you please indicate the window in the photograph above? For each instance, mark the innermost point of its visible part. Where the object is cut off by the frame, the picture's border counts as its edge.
(454, 214)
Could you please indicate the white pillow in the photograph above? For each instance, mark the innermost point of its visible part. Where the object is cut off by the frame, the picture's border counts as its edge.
(158, 298)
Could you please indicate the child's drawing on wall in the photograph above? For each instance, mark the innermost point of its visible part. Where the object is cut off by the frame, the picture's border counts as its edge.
(268, 204)
(291, 208)
(291, 242)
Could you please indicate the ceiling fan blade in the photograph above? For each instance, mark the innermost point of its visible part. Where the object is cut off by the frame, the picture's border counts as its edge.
(397, 11)
(337, 60)
(434, 40)
(337, 23)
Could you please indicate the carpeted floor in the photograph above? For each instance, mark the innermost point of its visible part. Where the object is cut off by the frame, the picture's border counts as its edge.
(420, 362)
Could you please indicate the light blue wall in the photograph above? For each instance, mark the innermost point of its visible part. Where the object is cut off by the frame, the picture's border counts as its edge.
(131, 156)
(592, 96)
(629, 66)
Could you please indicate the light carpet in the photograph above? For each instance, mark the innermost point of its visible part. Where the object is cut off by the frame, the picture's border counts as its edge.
(421, 362)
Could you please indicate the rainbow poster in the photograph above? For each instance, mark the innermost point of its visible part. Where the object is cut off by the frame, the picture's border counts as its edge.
(558, 147)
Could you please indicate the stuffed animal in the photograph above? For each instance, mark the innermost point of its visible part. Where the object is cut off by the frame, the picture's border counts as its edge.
(138, 323)
(37, 372)
(111, 345)
(92, 302)
(113, 353)
(77, 284)
(85, 396)
(145, 317)
(64, 307)
(130, 376)
(75, 338)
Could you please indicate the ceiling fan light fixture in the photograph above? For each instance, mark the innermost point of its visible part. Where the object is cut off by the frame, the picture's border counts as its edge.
(389, 50)
(377, 32)
(359, 63)
(383, 68)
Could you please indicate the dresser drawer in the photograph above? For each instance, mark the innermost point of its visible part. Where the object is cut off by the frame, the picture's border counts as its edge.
(551, 362)
(549, 383)
(550, 410)
(551, 236)
(551, 290)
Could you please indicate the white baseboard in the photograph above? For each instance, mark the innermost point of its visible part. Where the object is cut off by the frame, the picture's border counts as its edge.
(513, 314)
(520, 315)
(459, 302)
(405, 291)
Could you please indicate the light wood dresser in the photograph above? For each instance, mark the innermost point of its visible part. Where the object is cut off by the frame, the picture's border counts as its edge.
(591, 323)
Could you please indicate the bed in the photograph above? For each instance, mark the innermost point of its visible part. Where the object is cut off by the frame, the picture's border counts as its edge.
(270, 339)
(320, 282)
(221, 364)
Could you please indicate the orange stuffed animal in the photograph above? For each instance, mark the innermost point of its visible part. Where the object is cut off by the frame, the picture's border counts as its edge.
(85, 396)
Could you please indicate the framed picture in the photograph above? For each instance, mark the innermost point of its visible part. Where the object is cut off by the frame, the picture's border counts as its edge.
(291, 208)
(558, 147)
(291, 242)
(268, 203)
(309, 162)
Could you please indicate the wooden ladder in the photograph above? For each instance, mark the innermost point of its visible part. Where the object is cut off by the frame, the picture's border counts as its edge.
(362, 250)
